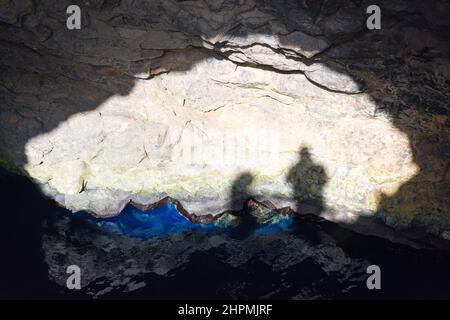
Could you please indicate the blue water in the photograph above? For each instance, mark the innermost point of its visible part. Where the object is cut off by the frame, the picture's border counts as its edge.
(166, 220)
(133, 222)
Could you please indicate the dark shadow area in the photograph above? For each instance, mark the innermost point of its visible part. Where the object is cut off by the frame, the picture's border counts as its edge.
(240, 191)
(49, 73)
(23, 271)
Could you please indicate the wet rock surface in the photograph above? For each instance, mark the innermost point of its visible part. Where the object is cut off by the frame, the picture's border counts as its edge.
(283, 257)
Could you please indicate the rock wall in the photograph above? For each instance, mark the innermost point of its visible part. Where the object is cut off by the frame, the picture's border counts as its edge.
(213, 102)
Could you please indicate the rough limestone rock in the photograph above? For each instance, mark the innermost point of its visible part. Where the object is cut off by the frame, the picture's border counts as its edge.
(213, 102)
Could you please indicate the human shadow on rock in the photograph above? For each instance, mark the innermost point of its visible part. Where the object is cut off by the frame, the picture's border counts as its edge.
(307, 179)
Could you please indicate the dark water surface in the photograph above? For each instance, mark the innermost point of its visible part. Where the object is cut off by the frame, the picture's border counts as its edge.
(161, 255)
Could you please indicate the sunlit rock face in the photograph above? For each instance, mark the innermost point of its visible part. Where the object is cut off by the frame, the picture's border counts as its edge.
(211, 103)
(191, 134)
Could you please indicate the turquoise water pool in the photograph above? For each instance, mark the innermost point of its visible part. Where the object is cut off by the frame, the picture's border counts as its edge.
(166, 220)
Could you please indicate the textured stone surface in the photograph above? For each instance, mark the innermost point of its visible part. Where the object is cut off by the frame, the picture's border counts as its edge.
(210, 102)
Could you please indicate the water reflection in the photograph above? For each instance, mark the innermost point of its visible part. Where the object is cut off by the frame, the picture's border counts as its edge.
(160, 254)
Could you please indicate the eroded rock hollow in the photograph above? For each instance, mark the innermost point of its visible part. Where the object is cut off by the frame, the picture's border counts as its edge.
(213, 102)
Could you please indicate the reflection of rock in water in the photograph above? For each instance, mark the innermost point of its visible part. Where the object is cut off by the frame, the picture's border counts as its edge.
(313, 259)
(120, 263)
